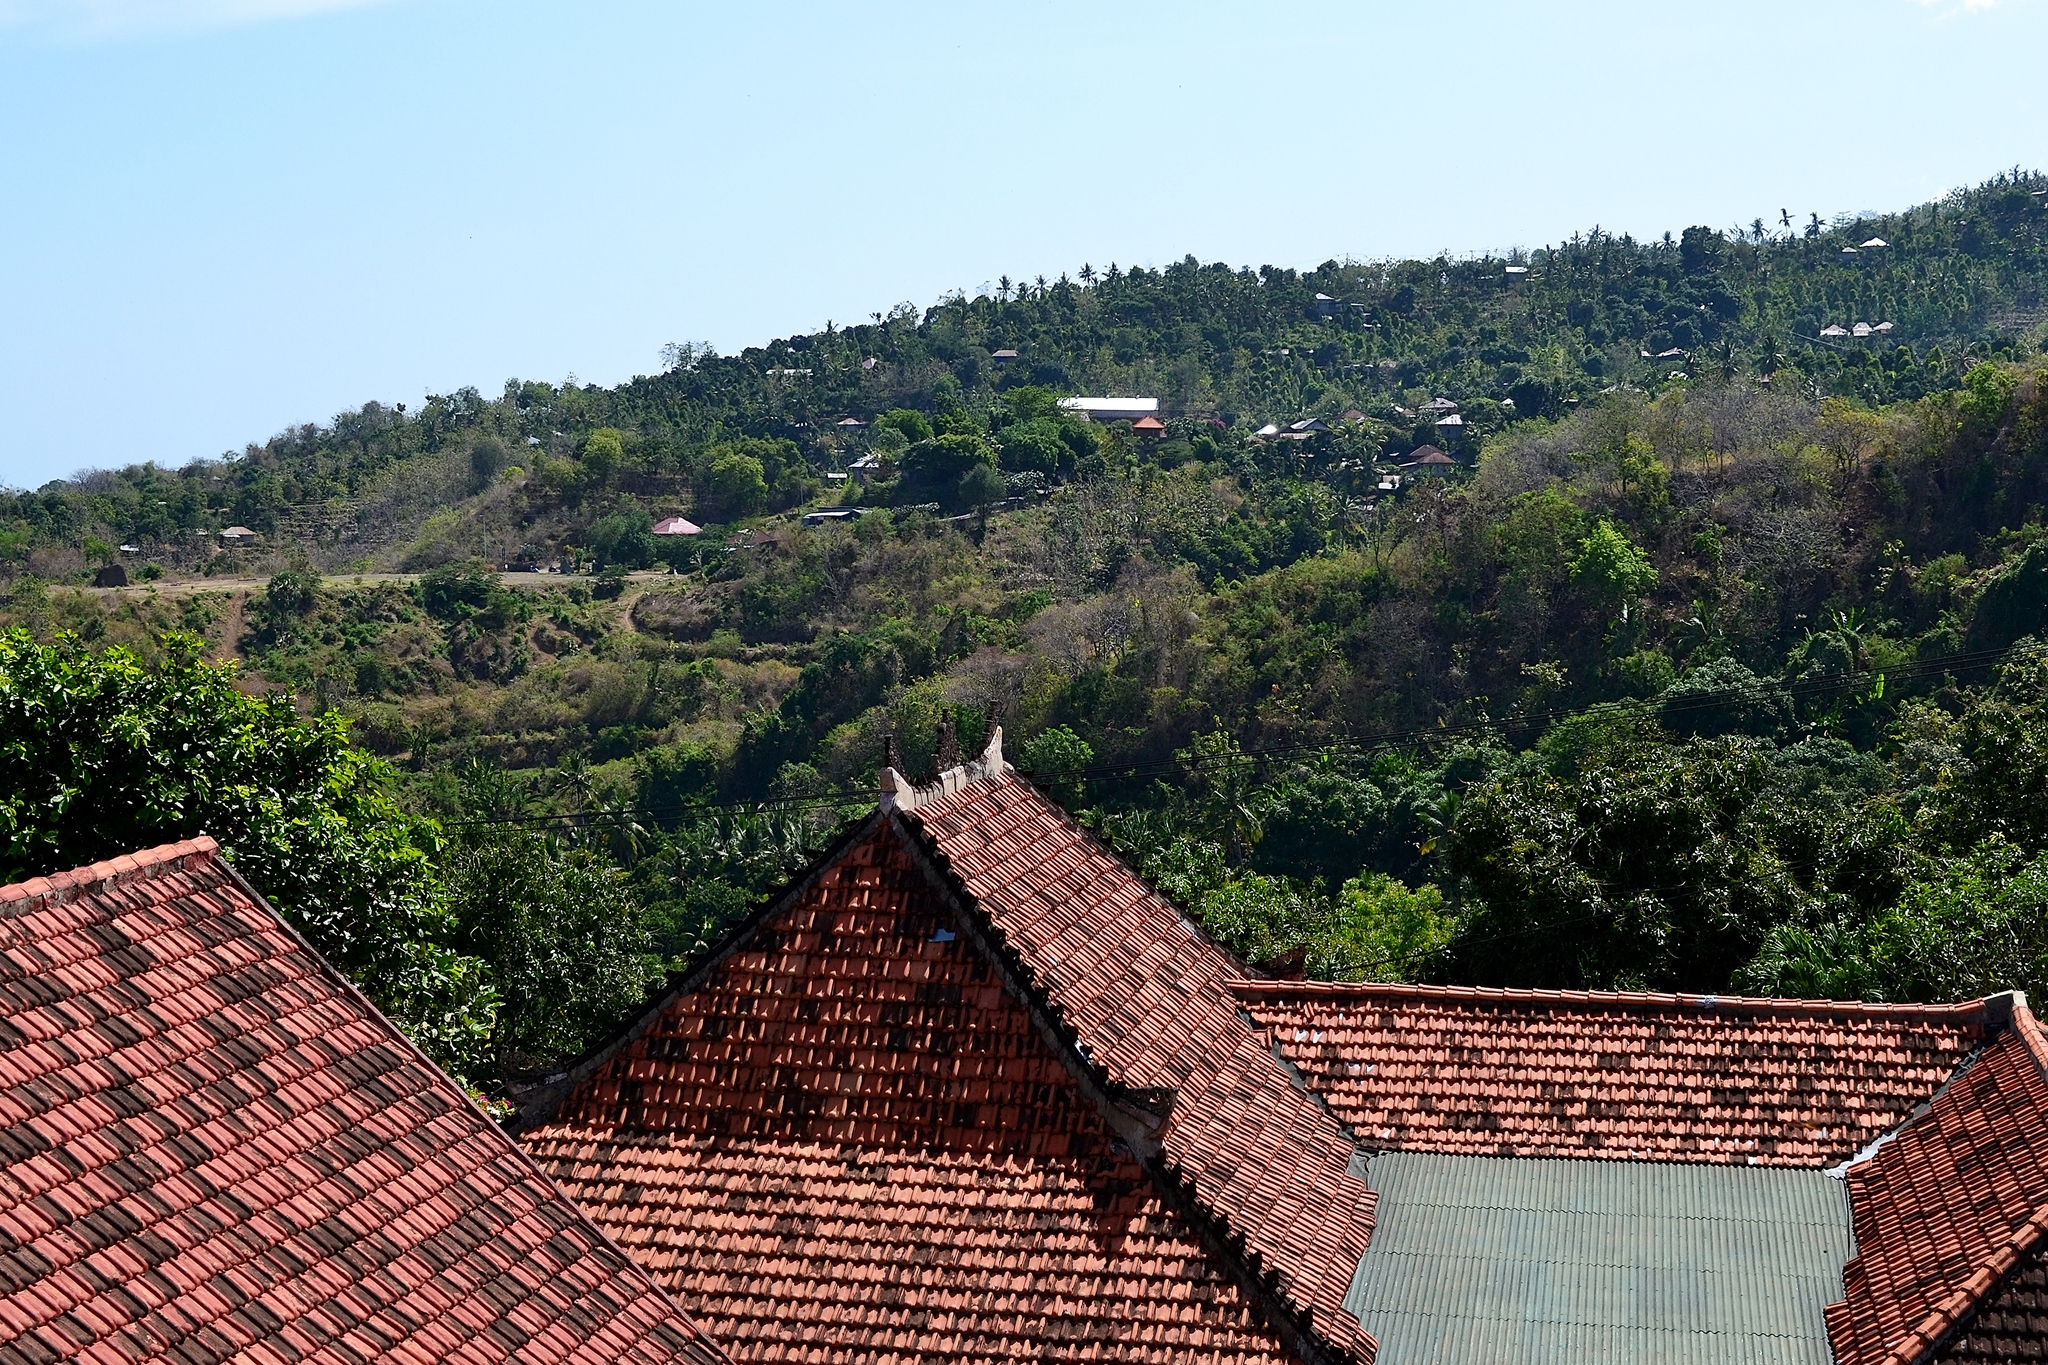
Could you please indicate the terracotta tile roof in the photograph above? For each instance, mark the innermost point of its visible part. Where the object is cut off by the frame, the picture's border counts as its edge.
(1146, 996)
(1948, 1209)
(1627, 1076)
(214, 1149)
(2012, 1323)
(847, 1140)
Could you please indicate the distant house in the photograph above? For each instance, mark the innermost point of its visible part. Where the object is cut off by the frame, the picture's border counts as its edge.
(1882, 327)
(1352, 415)
(1874, 243)
(1861, 329)
(1674, 353)
(237, 535)
(1111, 409)
(1307, 426)
(1267, 430)
(1149, 427)
(1440, 405)
(1003, 357)
(819, 518)
(1428, 460)
(1518, 270)
(1834, 330)
(869, 363)
(1326, 306)
(1451, 420)
(849, 426)
(676, 526)
(866, 469)
(1848, 251)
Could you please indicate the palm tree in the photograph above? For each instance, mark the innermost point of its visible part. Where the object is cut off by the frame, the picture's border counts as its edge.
(1003, 288)
(1087, 273)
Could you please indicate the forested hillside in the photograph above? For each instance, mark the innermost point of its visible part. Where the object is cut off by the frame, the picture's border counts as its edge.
(1709, 664)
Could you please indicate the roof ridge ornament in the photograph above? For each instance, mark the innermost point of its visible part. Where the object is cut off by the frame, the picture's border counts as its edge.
(900, 793)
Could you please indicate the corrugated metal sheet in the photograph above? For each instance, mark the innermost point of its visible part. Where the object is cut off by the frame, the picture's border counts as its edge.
(1499, 1261)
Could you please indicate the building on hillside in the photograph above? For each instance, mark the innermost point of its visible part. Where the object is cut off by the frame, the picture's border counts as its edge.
(1149, 428)
(1439, 406)
(1428, 460)
(866, 469)
(1112, 409)
(1326, 306)
(1834, 329)
(677, 526)
(216, 1150)
(1003, 357)
(970, 1089)
(849, 428)
(237, 535)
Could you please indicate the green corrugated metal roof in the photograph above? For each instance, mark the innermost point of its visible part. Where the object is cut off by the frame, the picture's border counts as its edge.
(1498, 1261)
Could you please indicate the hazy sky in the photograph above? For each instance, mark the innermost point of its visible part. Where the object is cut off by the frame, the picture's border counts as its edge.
(222, 217)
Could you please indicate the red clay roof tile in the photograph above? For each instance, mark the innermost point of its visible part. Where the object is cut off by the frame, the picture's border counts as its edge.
(1949, 1207)
(848, 1141)
(1146, 994)
(1614, 1075)
(214, 1148)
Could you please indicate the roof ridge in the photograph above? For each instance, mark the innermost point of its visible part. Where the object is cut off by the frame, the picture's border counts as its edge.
(1994, 1007)
(900, 793)
(149, 862)
(1957, 1306)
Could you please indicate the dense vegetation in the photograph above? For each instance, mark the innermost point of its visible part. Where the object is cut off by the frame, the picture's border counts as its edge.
(1714, 671)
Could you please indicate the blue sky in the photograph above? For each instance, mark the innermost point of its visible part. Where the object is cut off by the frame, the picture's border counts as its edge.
(222, 217)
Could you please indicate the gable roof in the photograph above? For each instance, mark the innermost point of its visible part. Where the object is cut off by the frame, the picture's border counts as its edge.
(1143, 993)
(216, 1149)
(1636, 1077)
(848, 1137)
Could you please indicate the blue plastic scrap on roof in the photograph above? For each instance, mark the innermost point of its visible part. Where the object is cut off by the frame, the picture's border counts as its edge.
(1500, 1261)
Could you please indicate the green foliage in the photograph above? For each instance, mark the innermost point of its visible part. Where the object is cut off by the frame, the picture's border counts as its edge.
(2014, 601)
(561, 935)
(1058, 759)
(468, 591)
(1611, 569)
(735, 485)
(624, 538)
(1721, 697)
(100, 756)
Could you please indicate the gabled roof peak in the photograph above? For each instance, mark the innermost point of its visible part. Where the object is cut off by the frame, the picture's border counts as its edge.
(900, 793)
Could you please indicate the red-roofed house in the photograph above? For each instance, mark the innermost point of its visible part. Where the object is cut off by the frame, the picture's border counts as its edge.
(970, 1090)
(216, 1150)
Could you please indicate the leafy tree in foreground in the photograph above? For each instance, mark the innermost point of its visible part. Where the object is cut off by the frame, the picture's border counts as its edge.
(561, 932)
(100, 756)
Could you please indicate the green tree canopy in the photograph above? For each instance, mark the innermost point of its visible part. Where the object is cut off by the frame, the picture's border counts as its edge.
(100, 756)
